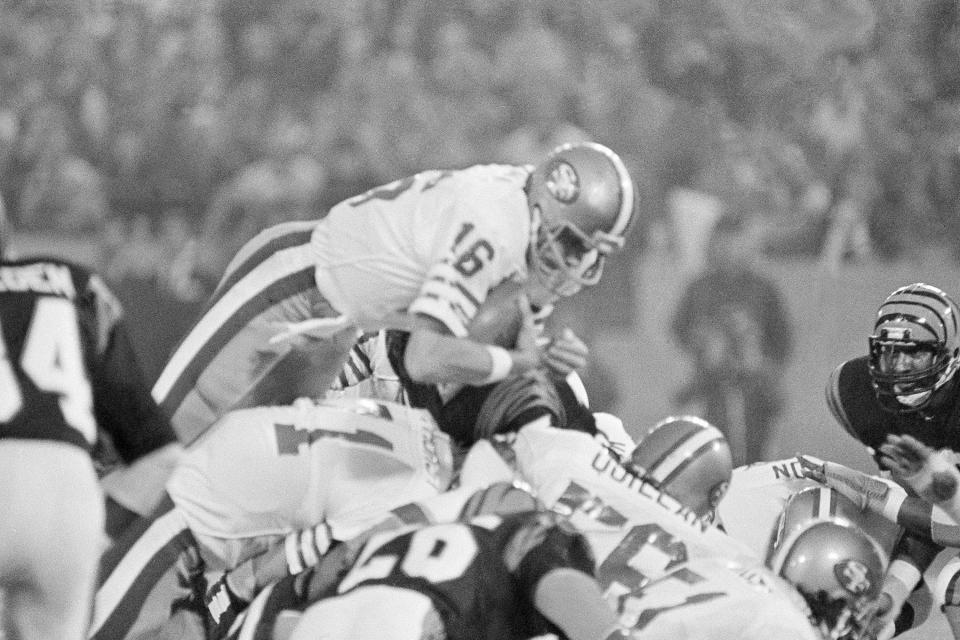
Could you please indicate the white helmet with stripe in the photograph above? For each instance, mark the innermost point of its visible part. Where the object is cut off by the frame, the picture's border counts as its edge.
(687, 458)
(583, 202)
(837, 568)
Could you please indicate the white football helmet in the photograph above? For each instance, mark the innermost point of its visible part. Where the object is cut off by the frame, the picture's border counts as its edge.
(583, 202)
(837, 568)
(687, 458)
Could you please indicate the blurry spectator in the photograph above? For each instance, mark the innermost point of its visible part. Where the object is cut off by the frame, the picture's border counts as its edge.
(732, 322)
(538, 70)
(153, 269)
(262, 194)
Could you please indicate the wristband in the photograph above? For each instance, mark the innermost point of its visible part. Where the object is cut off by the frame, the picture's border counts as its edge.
(501, 365)
(907, 577)
(891, 506)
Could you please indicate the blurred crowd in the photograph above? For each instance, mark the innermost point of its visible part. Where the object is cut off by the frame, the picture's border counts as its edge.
(224, 111)
(176, 129)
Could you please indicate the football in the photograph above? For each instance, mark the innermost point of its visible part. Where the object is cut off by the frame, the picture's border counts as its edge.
(498, 320)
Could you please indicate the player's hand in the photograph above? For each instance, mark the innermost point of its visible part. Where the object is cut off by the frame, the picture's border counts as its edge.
(883, 626)
(527, 345)
(564, 354)
(866, 491)
(904, 455)
(925, 470)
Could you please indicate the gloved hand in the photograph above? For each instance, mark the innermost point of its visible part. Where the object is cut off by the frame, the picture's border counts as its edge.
(866, 491)
(927, 471)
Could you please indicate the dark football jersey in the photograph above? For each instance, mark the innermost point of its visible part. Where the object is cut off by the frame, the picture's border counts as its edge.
(479, 576)
(853, 402)
(67, 368)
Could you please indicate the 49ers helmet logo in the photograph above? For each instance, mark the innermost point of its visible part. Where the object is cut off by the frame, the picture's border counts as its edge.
(563, 183)
(853, 575)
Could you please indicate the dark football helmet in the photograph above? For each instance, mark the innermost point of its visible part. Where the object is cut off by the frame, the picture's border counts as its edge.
(584, 202)
(915, 346)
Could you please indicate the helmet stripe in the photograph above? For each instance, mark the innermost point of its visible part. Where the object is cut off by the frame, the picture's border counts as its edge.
(912, 319)
(646, 448)
(683, 456)
(913, 313)
(627, 195)
(825, 506)
(921, 290)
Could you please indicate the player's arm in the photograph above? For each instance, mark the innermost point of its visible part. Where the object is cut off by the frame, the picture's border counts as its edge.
(555, 568)
(591, 619)
(434, 356)
(911, 557)
(123, 405)
(924, 470)
(886, 498)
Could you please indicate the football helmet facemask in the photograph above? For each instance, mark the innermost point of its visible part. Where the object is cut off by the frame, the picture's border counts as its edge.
(583, 202)
(838, 569)
(915, 347)
(687, 458)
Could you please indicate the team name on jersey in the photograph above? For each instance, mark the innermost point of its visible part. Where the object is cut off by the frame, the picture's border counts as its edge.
(787, 470)
(605, 465)
(40, 277)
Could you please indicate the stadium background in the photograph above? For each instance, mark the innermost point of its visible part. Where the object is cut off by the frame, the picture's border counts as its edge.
(149, 138)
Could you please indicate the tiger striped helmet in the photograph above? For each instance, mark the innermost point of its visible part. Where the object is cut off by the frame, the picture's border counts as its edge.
(687, 458)
(915, 346)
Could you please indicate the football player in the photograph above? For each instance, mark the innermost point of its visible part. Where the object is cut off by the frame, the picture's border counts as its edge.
(822, 582)
(930, 473)
(271, 488)
(418, 254)
(906, 385)
(67, 374)
(834, 565)
(758, 493)
(642, 538)
(493, 577)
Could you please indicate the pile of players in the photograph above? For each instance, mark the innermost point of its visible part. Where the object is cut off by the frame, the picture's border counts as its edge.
(372, 434)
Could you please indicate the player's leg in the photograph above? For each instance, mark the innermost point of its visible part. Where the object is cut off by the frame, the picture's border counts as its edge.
(235, 356)
(151, 567)
(52, 533)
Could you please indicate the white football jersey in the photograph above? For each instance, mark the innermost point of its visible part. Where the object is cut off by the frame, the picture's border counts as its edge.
(756, 497)
(717, 599)
(433, 243)
(273, 470)
(637, 533)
